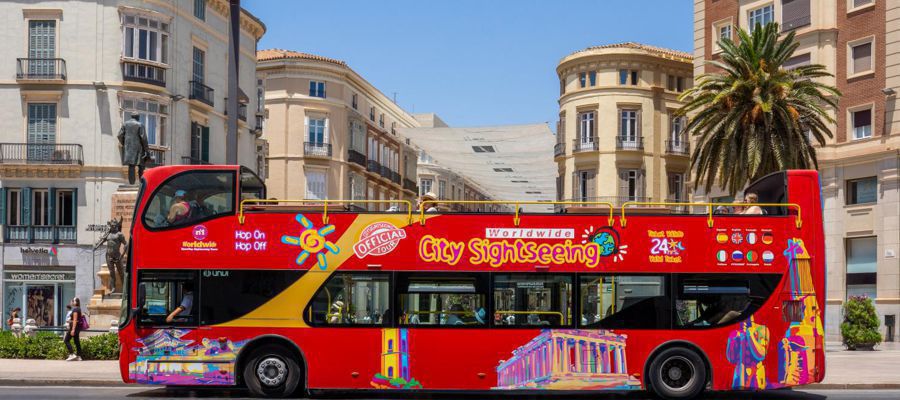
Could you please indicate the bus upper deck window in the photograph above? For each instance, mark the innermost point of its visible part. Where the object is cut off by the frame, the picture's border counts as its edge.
(191, 197)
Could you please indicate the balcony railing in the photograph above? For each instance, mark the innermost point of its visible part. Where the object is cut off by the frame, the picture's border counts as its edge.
(385, 172)
(194, 161)
(41, 69)
(395, 177)
(616, 201)
(679, 147)
(630, 143)
(373, 166)
(40, 234)
(356, 157)
(579, 145)
(157, 158)
(316, 149)
(139, 72)
(201, 92)
(40, 153)
(559, 149)
(409, 184)
(242, 110)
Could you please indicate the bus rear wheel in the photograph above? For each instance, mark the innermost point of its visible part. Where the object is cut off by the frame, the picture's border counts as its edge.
(272, 372)
(677, 373)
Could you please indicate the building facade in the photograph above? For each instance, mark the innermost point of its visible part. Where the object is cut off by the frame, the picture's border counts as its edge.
(72, 72)
(856, 41)
(617, 137)
(332, 135)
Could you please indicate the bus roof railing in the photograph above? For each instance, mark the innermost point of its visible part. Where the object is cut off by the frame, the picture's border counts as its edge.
(317, 202)
(798, 221)
(517, 203)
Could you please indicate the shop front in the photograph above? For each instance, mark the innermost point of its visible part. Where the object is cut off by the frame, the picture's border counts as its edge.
(42, 295)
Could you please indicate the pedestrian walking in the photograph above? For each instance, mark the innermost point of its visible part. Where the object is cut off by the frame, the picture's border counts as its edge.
(73, 330)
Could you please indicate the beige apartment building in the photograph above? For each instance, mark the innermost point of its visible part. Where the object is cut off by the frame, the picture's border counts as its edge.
(331, 134)
(617, 137)
(71, 73)
(859, 42)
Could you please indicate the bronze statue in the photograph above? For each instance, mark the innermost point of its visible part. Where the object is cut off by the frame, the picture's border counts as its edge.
(135, 149)
(115, 260)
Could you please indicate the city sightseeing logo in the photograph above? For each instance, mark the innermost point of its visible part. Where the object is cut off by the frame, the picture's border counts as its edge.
(378, 239)
(312, 241)
(200, 233)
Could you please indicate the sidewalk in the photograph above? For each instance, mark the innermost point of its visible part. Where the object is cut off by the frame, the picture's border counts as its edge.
(844, 370)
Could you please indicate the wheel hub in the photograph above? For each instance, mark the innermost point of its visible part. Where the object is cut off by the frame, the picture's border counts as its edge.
(271, 371)
(677, 373)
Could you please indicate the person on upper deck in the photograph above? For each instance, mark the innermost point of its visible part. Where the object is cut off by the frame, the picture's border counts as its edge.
(752, 209)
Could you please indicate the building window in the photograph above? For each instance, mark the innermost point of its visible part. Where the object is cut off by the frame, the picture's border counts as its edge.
(317, 134)
(354, 101)
(424, 186)
(152, 115)
(861, 57)
(442, 189)
(562, 87)
(65, 207)
(625, 74)
(862, 123)
(592, 77)
(857, 4)
(372, 114)
(42, 48)
(199, 143)
(675, 83)
(797, 61)
(200, 9)
(760, 16)
(582, 79)
(862, 266)
(381, 120)
(628, 125)
(41, 126)
(316, 184)
(725, 31)
(317, 89)
(40, 207)
(13, 207)
(631, 185)
(363, 299)
(394, 127)
(862, 191)
(794, 14)
(533, 300)
(583, 185)
(146, 39)
(586, 128)
(676, 187)
(199, 68)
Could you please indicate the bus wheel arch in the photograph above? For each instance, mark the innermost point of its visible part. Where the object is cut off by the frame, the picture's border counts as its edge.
(670, 347)
(286, 347)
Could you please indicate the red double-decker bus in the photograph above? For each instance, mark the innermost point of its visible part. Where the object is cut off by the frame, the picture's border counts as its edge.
(292, 297)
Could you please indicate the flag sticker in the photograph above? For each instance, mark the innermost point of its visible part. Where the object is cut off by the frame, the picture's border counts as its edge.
(767, 238)
(751, 256)
(751, 238)
(737, 255)
(721, 256)
(768, 256)
(722, 238)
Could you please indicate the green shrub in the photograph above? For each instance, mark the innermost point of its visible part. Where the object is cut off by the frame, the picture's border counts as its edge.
(860, 326)
(101, 347)
(50, 346)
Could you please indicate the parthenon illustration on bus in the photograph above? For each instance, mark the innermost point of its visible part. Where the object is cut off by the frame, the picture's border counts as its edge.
(568, 359)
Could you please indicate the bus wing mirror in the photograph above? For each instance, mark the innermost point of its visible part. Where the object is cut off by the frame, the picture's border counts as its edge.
(136, 313)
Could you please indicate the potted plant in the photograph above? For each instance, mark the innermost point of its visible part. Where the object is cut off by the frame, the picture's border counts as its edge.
(860, 327)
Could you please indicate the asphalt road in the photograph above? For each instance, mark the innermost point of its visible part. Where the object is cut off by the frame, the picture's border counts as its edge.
(81, 392)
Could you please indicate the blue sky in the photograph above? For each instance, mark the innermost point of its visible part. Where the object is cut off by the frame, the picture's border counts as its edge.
(473, 62)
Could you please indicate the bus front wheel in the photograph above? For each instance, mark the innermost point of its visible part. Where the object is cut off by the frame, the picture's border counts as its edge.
(677, 373)
(272, 372)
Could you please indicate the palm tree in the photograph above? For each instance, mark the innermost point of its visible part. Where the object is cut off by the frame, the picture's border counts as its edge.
(756, 117)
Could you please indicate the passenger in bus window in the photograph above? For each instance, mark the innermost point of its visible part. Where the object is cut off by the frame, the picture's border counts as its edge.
(432, 207)
(752, 199)
(739, 207)
(187, 302)
(180, 210)
(337, 308)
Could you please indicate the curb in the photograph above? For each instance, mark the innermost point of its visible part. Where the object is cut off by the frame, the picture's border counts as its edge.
(62, 382)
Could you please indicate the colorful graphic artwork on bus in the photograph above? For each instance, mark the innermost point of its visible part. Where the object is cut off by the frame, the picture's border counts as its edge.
(747, 348)
(796, 352)
(165, 358)
(568, 359)
(395, 372)
(312, 241)
(608, 240)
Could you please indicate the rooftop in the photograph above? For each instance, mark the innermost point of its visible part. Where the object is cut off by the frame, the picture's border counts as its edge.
(652, 50)
(278, 54)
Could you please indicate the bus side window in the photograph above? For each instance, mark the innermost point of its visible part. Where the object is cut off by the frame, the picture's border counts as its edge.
(446, 300)
(190, 197)
(352, 299)
(532, 300)
(709, 301)
(625, 301)
(167, 293)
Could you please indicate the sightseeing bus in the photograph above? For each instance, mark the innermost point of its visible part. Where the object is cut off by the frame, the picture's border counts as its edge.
(293, 297)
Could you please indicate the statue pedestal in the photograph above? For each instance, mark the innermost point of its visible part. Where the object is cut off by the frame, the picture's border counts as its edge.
(123, 203)
(104, 306)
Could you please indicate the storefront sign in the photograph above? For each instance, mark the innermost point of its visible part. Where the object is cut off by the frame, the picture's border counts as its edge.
(39, 276)
(38, 251)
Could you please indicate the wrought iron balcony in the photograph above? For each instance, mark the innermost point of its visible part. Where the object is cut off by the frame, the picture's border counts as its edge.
(356, 157)
(157, 158)
(679, 147)
(144, 73)
(409, 184)
(559, 149)
(580, 145)
(385, 172)
(373, 166)
(40, 234)
(242, 110)
(395, 177)
(40, 69)
(186, 160)
(315, 149)
(201, 92)
(629, 142)
(40, 153)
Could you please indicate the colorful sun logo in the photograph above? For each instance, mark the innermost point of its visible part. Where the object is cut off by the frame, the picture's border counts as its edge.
(312, 241)
(607, 238)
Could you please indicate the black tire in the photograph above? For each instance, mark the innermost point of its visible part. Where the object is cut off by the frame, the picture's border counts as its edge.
(677, 373)
(272, 372)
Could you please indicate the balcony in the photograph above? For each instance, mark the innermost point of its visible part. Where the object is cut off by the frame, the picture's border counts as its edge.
(356, 157)
(578, 145)
(314, 149)
(242, 110)
(629, 142)
(395, 177)
(559, 149)
(373, 167)
(157, 158)
(39, 153)
(143, 73)
(677, 147)
(194, 161)
(51, 70)
(40, 234)
(202, 93)
(616, 201)
(409, 184)
(385, 172)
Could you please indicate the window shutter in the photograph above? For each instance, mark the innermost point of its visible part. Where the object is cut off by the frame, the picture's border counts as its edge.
(619, 124)
(75, 208)
(641, 189)
(637, 126)
(623, 184)
(326, 133)
(862, 57)
(25, 206)
(576, 186)
(591, 185)
(2, 206)
(51, 206)
(797, 61)
(204, 143)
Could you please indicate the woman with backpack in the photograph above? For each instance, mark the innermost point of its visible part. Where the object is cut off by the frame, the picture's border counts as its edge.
(76, 322)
